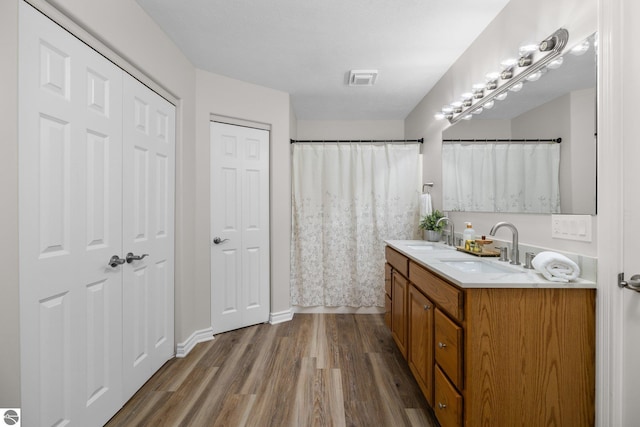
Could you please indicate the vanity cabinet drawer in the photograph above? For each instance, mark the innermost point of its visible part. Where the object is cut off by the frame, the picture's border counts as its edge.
(448, 402)
(387, 279)
(444, 295)
(399, 262)
(448, 347)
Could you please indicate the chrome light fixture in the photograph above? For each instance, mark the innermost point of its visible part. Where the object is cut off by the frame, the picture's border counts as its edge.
(531, 64)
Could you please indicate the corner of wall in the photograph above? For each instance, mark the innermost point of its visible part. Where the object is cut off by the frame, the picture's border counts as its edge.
(10, 301)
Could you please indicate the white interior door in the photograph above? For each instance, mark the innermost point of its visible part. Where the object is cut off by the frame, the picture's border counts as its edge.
(631, 232)
(70, 225)
(240, 276)
(148, 232)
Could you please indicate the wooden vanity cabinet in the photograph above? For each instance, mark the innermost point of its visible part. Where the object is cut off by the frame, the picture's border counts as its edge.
(420, 350)
(387, 294)
(529, 357)
(497, 356)
(399, 284)
(399, 290)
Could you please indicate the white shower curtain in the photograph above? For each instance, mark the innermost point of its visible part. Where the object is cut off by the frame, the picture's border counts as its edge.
(501, 177)
(346, 200)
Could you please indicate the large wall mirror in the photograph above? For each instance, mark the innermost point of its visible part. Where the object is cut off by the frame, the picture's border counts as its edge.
(529, 177)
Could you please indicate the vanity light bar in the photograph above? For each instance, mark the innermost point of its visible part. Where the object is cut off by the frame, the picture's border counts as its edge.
(514, 73)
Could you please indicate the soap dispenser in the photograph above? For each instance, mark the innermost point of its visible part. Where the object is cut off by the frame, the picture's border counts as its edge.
(468, 236)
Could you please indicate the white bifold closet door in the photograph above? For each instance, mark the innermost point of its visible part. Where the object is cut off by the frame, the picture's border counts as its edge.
(93, 183)
(148, 223)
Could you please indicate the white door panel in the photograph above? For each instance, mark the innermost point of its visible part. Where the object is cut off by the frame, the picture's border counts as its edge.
(240, 219)
(70, 225)
(148, 194)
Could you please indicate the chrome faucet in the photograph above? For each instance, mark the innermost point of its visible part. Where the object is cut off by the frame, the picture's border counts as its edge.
(452, 235)
(515, 253)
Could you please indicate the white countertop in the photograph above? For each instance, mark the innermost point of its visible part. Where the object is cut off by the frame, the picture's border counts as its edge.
(442, 260)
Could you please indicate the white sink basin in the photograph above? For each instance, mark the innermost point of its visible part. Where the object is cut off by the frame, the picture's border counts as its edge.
(478, 266)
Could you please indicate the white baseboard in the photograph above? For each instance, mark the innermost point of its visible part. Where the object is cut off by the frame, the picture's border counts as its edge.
(182, 349)
(280, 317)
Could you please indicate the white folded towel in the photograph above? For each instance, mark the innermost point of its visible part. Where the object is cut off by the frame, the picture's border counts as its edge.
(425, 205)
(555, 267)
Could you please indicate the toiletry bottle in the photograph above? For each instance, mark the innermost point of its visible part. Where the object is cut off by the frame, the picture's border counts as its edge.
(468, 236)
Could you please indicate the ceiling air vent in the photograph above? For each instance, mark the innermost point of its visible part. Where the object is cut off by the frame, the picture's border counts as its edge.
(362, 77)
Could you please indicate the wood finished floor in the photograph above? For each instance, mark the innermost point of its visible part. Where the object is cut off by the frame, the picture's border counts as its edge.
(317, 370)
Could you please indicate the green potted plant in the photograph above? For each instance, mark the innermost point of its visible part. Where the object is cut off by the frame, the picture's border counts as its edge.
(433, 232)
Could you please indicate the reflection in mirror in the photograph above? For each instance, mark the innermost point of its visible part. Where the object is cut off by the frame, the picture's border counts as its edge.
(529, 177)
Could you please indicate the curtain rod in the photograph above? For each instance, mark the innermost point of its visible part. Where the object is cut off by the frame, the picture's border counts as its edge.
(295, 141)
(556, 140)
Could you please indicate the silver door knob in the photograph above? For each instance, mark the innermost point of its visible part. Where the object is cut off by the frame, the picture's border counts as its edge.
(115, 261)
(441, 345)
(131, 257)
(218, 240)
(633, 283)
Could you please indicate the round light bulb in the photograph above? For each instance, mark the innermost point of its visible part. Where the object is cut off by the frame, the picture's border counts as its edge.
(508, 63)
(527, 49)
(501, 96)
(516, 87)
(467, 117)
(489, 105)
(477, 110)
(534, 76)
(556, 63)
(580, 48)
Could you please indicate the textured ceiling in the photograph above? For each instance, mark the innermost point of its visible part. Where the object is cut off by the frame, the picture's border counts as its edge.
(306, 48)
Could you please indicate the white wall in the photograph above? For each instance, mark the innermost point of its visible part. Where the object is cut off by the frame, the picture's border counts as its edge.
(519, 22)
(350, 129)
(571, 117)
(293, 123)
(9, 288)
(584, 148)
(232, 98)
(479, 129)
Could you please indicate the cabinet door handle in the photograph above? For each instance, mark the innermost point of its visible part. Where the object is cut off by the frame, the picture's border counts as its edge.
(441, 405)
(441, 345)
(427, 307)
